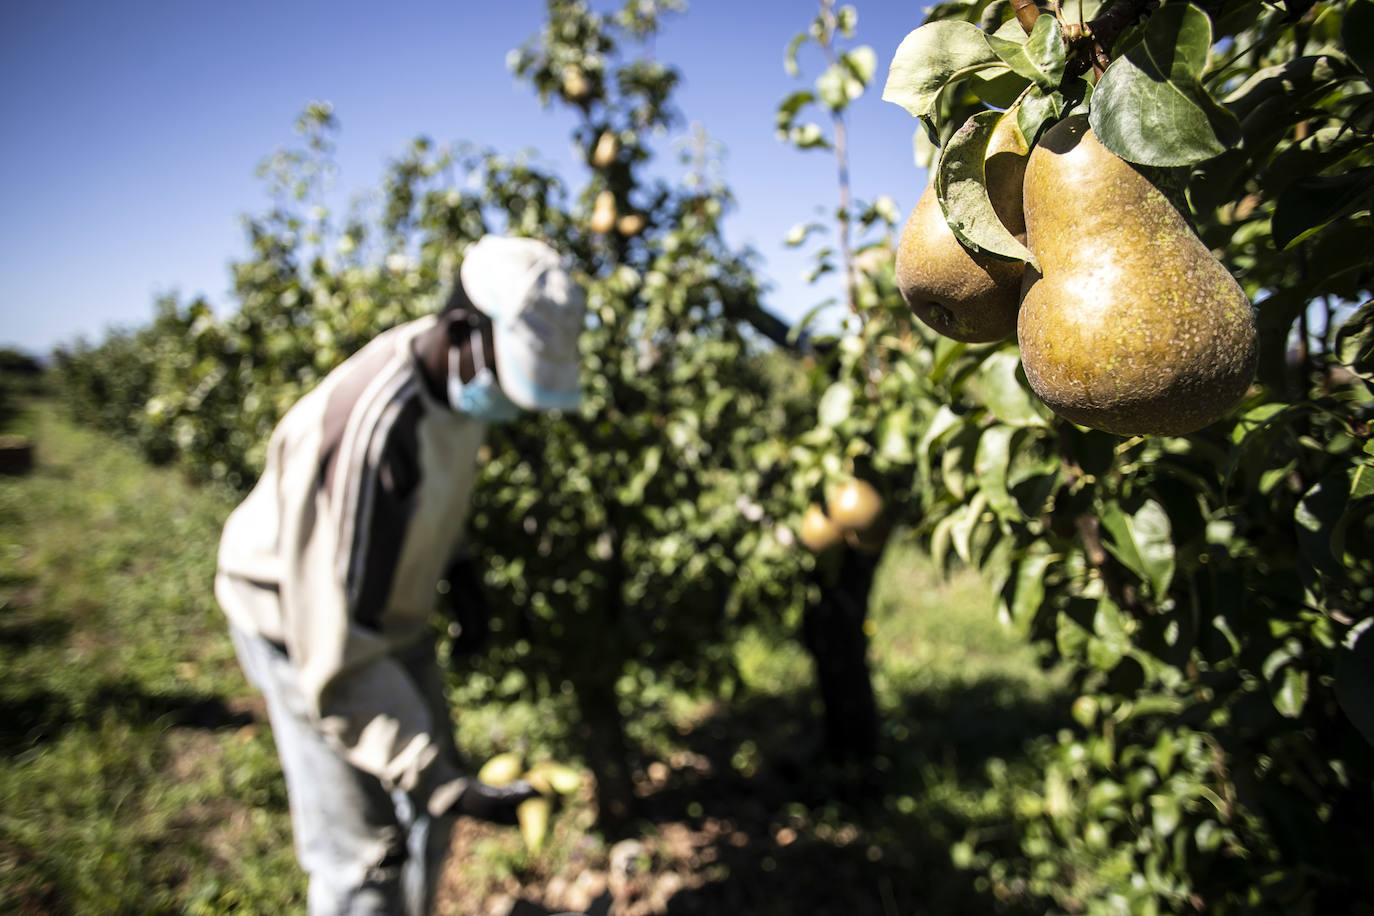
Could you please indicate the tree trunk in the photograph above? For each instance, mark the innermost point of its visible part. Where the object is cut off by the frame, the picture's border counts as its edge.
(833, 632)
(602, 732)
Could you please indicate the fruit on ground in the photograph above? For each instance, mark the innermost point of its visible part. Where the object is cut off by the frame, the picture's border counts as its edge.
(533, 817)
(502, 769)
(1132, 326)
(855, 505)
(818, 533)
(969, 296)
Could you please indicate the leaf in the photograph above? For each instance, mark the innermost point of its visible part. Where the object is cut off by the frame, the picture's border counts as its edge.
(1000, 88)
(1150, 107)
(1357, 35)
(1290, 694)
(932, 57)
(1029, 591)
(1355, 679)
(1309, 204)
(835, 404)
(1355, 340)
(990, 466)
(1004, 393)
(1143, 543)
(961, 187)
(1038, 109)
(1040, 58)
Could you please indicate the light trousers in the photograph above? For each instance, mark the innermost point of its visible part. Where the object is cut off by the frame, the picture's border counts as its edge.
(367, 851)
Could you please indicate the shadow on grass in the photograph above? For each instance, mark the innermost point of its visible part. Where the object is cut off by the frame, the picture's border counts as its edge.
(39, 716)
(777, 829)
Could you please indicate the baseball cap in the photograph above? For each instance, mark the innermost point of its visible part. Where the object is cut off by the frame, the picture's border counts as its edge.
(537, 313)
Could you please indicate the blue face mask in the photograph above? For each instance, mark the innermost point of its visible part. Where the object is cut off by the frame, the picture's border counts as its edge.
(480, 398)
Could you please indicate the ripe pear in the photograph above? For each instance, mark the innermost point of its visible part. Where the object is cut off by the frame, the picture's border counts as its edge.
(605, 151)
(818, 533)
(603, 213)
(966, 295)
(855, 505)
(1131, 326)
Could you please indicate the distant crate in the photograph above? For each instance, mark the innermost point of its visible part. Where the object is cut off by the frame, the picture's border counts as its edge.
(16, 455)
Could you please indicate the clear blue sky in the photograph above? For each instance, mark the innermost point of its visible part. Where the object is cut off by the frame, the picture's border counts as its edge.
(132, 130)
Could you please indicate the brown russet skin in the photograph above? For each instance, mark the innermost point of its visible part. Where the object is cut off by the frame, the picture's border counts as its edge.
(1131, 326)
(964, 295)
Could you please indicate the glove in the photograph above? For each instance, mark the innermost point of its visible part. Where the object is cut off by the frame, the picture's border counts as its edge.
(486, 802)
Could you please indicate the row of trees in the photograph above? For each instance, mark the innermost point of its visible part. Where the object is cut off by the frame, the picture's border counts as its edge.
(1209, 592)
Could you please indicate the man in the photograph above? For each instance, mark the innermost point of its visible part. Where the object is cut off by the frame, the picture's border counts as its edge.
(330, 568)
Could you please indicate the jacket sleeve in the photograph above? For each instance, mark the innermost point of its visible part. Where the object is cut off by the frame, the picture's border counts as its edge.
(365, 701)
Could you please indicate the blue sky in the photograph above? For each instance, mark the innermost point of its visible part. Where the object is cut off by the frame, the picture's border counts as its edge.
(133, 130)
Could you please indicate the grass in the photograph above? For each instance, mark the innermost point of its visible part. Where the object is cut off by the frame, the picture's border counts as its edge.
(138, 775)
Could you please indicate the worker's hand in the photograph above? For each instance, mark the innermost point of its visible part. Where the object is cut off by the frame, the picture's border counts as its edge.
(492, 803)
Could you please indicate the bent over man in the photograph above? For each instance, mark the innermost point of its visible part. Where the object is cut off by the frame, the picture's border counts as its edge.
(329, 572)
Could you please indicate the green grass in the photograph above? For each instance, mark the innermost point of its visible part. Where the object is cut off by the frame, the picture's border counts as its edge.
(135, 777)
(138, 776)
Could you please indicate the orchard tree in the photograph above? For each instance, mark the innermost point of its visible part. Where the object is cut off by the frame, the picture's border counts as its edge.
(1211, 590)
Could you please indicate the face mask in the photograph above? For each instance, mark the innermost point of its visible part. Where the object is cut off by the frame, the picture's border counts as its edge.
(481, 398)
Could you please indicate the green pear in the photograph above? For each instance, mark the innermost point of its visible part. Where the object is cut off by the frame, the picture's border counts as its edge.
(969, 296)
(1131, 325)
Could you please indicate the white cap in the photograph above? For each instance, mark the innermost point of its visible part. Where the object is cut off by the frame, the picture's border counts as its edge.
(537, 313)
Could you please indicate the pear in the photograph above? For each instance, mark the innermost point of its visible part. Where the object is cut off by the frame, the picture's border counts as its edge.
(605, 151)
(603, 213)
(818, 533)
(1131, 326)
(855, 505)
(969, 296)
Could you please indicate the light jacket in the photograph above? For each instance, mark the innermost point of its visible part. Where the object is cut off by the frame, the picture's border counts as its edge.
(361, 505)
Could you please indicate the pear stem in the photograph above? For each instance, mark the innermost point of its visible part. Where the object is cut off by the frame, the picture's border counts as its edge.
(1104, 31)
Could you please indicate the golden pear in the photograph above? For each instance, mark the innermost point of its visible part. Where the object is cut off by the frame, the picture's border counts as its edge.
(630, 225)
(966, 295)
(1131, 326)
(533, 817)
(604, 153)
(818, 533)
(603, 213)
(574, 83)
(501, 770)
(855, 505)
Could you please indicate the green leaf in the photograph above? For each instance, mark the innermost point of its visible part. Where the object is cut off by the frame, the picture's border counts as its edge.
(789, 58)
(1000, 88)
(1038, 110)
(1355, 679)
(1319, 516)
(1290, 693)
(1029, 591)
(963, 194)
(1355, 340)
(1143, 543)
(894, 435)
(990, 466)
(1007, 398)
(1039, 58)
(1357, 35)
(1150, 107)
(835, 404)
(968, 517)
(1309, 204)
(932, 57)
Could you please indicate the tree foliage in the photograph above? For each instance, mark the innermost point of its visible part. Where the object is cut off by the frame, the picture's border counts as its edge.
(1210, 591)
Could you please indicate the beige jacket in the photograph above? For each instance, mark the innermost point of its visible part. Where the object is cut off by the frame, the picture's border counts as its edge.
(360, 506)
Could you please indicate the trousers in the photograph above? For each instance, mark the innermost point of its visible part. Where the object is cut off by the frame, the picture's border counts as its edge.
(367, 851)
